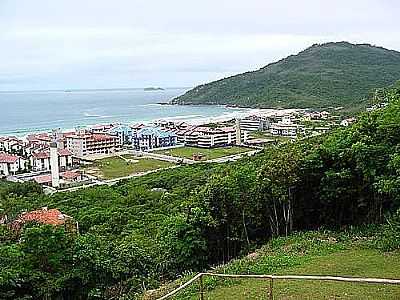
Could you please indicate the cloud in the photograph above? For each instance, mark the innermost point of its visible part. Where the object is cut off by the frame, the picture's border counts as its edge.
(99, 43)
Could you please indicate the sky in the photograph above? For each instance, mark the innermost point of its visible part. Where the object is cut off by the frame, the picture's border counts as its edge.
(71, 44)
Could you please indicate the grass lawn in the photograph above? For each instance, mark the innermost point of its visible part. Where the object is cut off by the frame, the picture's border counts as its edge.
(309, 253)
(187, 152)
(116, 167)
(365, 263)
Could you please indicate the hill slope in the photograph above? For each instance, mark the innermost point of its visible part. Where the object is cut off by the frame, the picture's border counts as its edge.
(350, 254)
(332, 74)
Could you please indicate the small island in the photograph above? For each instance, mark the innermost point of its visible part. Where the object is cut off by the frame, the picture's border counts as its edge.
(150, 89)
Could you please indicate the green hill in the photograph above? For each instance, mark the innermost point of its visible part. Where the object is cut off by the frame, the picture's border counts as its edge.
(332, 74)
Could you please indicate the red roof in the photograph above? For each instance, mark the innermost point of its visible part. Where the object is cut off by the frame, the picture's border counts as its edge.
(7, 158)
(41, 155)
(43, 216)
(42, 179)
(46, 154)
(70, 175)
(39, 137)
(101, 137)
(64, 152)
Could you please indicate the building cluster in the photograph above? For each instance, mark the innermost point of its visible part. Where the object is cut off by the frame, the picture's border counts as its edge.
(39, 155)
(56, 157)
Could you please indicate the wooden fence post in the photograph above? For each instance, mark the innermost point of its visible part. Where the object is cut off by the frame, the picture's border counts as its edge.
(201, 288)
(271, 286)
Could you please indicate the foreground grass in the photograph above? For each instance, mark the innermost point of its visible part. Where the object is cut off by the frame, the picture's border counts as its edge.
(117, 167)
(357, 263)
(310, 253)
(207, 154)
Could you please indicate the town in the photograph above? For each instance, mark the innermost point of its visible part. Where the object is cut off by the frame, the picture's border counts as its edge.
(105, 153)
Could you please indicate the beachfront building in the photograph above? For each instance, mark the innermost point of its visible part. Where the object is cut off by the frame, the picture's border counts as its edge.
(254, 123)
(152, 137)
(286, 127)
(123, 132)
(86, 143)
(40, 161)
(11, 164)
(207, 137)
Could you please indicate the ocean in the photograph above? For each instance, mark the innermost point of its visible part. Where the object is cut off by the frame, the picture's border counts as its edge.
(25, 112)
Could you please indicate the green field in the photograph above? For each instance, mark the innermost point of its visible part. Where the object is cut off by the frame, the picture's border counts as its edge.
(309, 253)
(116, 167)
(358, 263)
(207, 154)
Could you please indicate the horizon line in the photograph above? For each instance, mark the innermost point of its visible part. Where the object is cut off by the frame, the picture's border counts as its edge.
(66, 90)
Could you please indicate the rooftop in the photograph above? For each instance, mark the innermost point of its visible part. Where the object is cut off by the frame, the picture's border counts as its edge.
(8, 158)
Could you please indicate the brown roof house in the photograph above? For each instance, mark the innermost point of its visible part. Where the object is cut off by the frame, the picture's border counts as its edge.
(45, 216)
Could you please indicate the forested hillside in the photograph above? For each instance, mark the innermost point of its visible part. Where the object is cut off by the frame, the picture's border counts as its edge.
(332, 74)
(148, 230)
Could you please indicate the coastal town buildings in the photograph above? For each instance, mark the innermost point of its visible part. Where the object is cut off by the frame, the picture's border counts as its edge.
(152, 137)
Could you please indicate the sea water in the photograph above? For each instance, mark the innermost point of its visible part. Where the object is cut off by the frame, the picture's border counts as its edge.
(35, 111)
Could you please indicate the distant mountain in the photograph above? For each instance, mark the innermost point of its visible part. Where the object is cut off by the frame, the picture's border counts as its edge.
(332, 74)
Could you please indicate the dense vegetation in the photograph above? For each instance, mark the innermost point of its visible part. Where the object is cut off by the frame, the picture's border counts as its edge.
(148, 230)
(332, 74)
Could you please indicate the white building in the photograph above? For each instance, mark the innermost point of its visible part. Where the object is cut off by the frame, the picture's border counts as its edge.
(40, 161)
(11, 164)
(254, 123)
(153, 137)
(206, 137)
(84, 143)
(285, 127)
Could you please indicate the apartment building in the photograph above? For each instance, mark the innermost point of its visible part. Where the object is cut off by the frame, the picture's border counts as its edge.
(86, 143)
(152, 137)
(254, 123)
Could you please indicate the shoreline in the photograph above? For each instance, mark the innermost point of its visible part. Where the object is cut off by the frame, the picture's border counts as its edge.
(234, 112)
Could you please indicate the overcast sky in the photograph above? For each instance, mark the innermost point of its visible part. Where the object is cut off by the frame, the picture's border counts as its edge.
(59, 44)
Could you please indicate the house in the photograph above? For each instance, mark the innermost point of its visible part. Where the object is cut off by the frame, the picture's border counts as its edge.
(11, 164)
(39, 138)
(40, 161)
(11, 144)
(45, 216)
(347, 122)
(152, 137)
